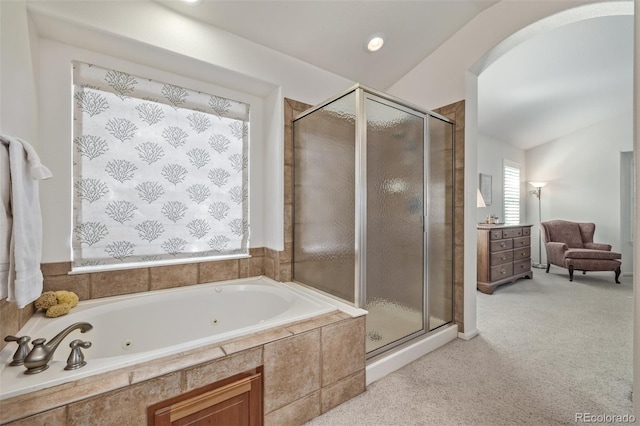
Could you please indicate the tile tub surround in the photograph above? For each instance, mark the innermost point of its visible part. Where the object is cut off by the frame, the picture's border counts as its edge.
(95, 285)
(309, 366)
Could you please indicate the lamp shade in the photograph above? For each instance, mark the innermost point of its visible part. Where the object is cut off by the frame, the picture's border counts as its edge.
(537, 184)
(480, 201)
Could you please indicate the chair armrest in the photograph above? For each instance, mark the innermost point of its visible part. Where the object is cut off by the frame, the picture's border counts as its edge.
(597, 246)
(555, 252)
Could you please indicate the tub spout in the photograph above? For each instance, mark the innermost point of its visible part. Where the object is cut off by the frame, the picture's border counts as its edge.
(38, 358)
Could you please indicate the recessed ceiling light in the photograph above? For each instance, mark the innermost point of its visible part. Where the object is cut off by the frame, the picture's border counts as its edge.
(374, 42)
(192, 2)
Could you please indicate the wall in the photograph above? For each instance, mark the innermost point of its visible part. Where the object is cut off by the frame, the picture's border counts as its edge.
(56, 151)
(440, 78)
(17, 75)
(491, 156)
(636, 228)
(583, 174)
(165, 44)
(39, 38)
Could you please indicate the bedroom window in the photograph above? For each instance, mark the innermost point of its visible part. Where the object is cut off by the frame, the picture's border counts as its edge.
(511, 179)
(160, 172)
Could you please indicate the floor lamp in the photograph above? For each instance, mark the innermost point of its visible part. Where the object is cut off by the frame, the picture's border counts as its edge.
(537, 192)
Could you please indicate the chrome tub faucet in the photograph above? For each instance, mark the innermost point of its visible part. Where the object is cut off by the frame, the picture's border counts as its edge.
(37, 360)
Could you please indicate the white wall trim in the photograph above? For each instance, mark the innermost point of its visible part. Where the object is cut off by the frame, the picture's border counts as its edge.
(468, 335)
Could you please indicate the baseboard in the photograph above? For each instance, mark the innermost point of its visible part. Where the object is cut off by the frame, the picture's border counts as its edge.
(468, 335)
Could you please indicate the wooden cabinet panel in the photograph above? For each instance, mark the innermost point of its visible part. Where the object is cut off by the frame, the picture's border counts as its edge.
(236, 401)
(504, 255)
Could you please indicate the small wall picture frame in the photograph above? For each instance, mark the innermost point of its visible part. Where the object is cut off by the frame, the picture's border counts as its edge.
(485, 188)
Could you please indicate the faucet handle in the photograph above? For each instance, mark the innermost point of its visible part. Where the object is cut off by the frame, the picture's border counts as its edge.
(76, 357)
(22, 351)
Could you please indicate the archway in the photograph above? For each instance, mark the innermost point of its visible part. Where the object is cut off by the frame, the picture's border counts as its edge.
(471, 123)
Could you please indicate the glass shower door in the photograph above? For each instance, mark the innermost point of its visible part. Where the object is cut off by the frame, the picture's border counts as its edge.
(324, 254)
(395, 193)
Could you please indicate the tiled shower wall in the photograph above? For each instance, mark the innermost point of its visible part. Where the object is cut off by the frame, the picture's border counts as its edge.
(455, 112)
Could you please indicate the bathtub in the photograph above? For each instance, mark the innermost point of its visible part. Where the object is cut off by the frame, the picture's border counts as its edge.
(135, 328)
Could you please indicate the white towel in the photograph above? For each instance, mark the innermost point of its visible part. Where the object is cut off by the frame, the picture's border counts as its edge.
(24, 283)
(6, 220)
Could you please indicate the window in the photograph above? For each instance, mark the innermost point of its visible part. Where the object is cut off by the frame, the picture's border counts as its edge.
(160, 172)
(511, 192)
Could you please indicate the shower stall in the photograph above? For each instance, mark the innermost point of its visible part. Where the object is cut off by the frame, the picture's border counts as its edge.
(373, 212)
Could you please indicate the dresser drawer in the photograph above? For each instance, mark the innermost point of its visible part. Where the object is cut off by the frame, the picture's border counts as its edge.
(521, 253)
(513, 232)
(501, 271)
(501, 245)
(521, 242)
(496, 234)
(501, 257)
(521, 266)
(526, 232)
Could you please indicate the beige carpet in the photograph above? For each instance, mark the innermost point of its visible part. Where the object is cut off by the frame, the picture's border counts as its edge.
(547, 350)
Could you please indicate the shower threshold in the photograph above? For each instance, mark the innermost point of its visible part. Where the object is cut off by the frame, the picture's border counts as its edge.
(395, 359)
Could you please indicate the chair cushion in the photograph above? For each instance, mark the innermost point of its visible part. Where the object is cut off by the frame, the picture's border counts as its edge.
(591, 254)
(568, 233)
(593, 264)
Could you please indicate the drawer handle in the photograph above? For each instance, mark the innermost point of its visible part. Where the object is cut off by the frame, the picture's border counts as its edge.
(524, 253)
(503, 258)
(503, 272)
(522, 243)
(502, 244)
(521, 266)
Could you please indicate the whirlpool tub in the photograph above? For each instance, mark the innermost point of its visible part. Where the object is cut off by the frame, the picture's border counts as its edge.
(135, 328)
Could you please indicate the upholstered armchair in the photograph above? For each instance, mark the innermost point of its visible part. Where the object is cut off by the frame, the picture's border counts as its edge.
(570, 245)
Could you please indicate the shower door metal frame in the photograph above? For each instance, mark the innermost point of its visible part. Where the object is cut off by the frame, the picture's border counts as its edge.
(361, 202)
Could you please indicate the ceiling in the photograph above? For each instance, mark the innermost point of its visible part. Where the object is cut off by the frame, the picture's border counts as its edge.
(547, 87)
(559, 82)
(331, 34)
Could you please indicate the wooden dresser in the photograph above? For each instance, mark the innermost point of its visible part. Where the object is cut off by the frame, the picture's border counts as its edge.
(504, 255)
